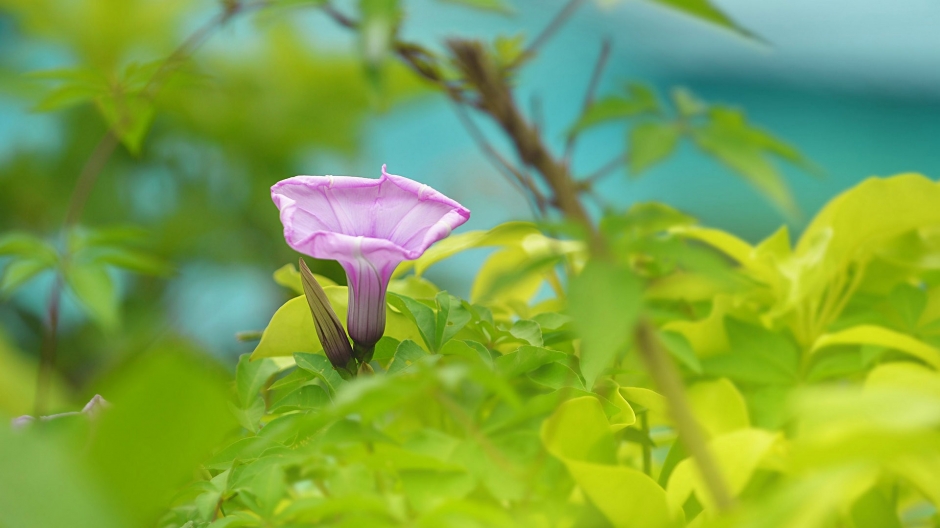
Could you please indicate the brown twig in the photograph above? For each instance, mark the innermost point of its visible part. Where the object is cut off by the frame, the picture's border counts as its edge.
(690, 433)
(604, 170)
(589, 92)
(557, 22)
(513, 174)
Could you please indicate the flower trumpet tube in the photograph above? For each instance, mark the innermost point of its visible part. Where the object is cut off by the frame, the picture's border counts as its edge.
(369, 226)
(329, 329)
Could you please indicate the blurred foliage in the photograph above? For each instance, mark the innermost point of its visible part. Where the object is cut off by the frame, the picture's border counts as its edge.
(810, 367)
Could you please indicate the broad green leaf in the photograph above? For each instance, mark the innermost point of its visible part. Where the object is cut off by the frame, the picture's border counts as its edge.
(172, 413)
(288, 277)
(129, 115)
(304, 398)
(680, 349)
(707, 336)
(578, 430)
(526, 359)
(909, 376)
(578, 433)
(129, 259)
(528, 331)
(627, 497)
(756, 355)
(876, 335)
(686, 103)
(737, 455)
(507, 234)
(748, 160)
(292, 330)
(414, 287)
(852, 226)
(423, 316)
(408, 354)
(37, 467)
(249, 415)
(451, 318)
(508, 275)
(456, 347)
(650, 143)
(718, 406)
(92, 285)
(251, 376)
(638, 100)
(556, 376)
(604, 302)
(321, 367)
(706, 11)
(18, 272)
(25, 245)
(874, 510)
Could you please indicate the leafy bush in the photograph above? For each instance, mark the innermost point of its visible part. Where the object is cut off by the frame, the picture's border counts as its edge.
(637, 371)
(811, 369)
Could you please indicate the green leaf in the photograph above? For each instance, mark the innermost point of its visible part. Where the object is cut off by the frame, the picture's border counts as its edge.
(730, 143)
(579, 435)
(451, 318)
(756, 355)
(288, 277)
(526, 359)
(251, 376)
(604, 302)
(95, 290)
(718, 406)
(422, 315)
(556, 376)
(639, 100)
(249, 415)
(506, 234)
(130, 260)
(650, 143)
(528, 331)
(407, 354)
(129, 116)
(680, 349)
(578, 430)
(18, 272)
(320, 366)
(876, 335)
(304, 398)
(852, 226)
(25, 245)
(291, 330)
(686, 103)
(707, 12)
(737, 455)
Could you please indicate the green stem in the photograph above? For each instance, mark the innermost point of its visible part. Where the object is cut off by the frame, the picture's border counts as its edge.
(647, 450)
(667, 379)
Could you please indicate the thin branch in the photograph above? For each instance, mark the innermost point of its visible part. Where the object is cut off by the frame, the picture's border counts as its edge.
(47, 354)
(513, 174)
(589, 93)
(604, 170)
(86, 179)
(550, 29)
(690, 433)
(92, 169)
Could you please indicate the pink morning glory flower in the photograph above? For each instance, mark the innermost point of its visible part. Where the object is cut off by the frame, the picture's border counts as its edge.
(369, 226)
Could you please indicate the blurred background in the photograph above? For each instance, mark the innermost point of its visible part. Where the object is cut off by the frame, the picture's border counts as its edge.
(854, 84)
